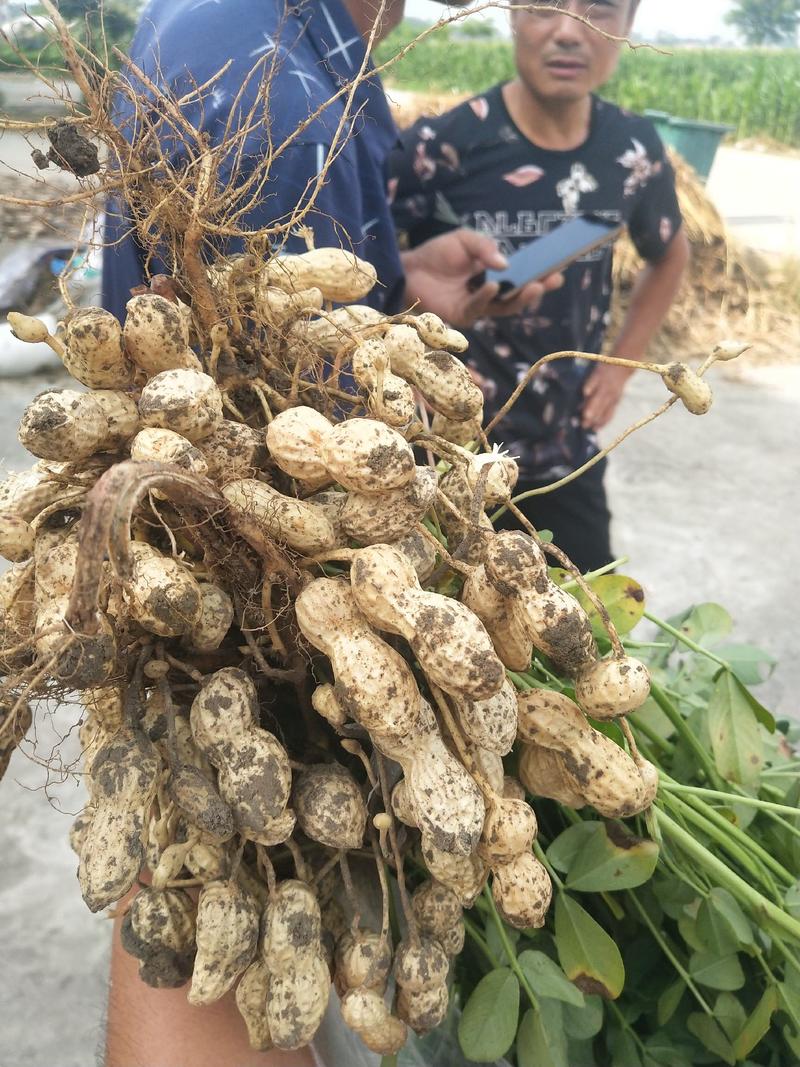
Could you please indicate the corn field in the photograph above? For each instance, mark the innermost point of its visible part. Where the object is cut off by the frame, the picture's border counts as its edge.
(757, 91)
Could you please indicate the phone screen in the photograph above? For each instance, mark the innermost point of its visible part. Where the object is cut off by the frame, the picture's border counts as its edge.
(556, 250)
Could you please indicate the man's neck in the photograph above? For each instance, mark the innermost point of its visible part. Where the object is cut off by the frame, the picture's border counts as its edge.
(558, 125)
(365, 12)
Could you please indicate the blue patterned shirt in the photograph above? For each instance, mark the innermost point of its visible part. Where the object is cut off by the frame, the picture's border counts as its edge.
(307, 52)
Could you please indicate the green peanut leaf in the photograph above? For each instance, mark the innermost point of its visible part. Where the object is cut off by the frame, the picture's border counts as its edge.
(590, 957)
(541, 1041)
(547, 979)
(710, 1034)
(757, 1026)
(716, 972)
(736, 739)
(489, 1022)
(623, 599)
(570, 843)
(669, 1001)
(586, 1022)
(721, 924)
(612, 858)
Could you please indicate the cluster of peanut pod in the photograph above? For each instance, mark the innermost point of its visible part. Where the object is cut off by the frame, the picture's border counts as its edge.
(289, 621)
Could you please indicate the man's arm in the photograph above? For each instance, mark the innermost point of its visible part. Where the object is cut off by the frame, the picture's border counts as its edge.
(653, 294)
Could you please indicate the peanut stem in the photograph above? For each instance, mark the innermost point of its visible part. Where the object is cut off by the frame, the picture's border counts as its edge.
(741, 889)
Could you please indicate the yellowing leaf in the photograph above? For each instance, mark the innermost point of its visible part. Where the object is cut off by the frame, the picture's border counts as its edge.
(589, 957)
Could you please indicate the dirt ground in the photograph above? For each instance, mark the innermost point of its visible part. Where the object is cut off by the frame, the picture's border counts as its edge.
(705, 508)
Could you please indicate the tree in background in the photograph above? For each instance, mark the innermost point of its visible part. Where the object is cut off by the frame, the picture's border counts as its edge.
(118, 16)
(766, 21)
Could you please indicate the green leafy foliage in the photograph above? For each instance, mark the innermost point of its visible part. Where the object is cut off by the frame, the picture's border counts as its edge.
(623, 599)
(668, 928)
(489, 1023)
(735, 732)
(547, 979)
(590, 957)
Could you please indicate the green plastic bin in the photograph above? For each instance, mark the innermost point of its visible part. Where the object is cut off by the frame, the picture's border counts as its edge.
(696, 141)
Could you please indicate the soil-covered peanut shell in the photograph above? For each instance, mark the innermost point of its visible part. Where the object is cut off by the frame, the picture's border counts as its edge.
(515, 564)
(390, 398)
(156, 335)
(325, 701)
(197, 799)
(448, 805)
(26, 493)
(209, 861)
(498, 614)
(612, 687)
(370, 518)
(326, 335)
(17, 618)
(338, 274)
(254, 775)
(94, 352)
(329, 806)
(402, 806)
(694, 391)
(458, 431)
(604, 774)
(436, 908)
(60, 423)
(124, 776)
(559, 627)
(437, 334)
(420, 965)
(544, 774)
(11, 735)
(509, 830)
(303, 526)
(27, 328)
(227, 939)
(373, 681)
(277, 308)
(650, 778)
(233, 451)
(294, 440)
(166, 446)
(16, 538)
(186, 401)
(158, 930)
(161, 594)
(216, 617)
(367, 456)
(522, 891)
(366, 1014)
(491, 723)
(419, 552)
(251, 1000)
(424, 1010)
(79, 660)
(464, 875)
(293, 922)
(362, 959)
(449, 640)
(297, 998)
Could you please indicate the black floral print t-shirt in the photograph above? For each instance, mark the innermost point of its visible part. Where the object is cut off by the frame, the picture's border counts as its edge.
(473, 167)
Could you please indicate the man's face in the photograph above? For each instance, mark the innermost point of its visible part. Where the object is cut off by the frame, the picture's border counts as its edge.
(560, 58)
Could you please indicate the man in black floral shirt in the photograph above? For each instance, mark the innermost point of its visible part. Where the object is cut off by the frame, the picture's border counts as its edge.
(515, 162)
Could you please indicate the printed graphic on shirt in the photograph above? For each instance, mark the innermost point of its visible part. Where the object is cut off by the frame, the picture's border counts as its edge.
(472, 167)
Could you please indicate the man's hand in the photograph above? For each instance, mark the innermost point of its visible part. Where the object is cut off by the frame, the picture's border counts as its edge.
(438, 272)
(602, 393)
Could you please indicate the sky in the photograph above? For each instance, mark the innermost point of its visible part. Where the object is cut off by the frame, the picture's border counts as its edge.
(689, 18)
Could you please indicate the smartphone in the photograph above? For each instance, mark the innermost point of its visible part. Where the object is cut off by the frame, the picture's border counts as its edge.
(549, 254)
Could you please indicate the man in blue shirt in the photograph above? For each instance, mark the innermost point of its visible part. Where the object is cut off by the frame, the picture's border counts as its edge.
(308, 53)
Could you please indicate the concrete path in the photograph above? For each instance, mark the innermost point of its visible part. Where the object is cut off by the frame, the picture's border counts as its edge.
(757, 194)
